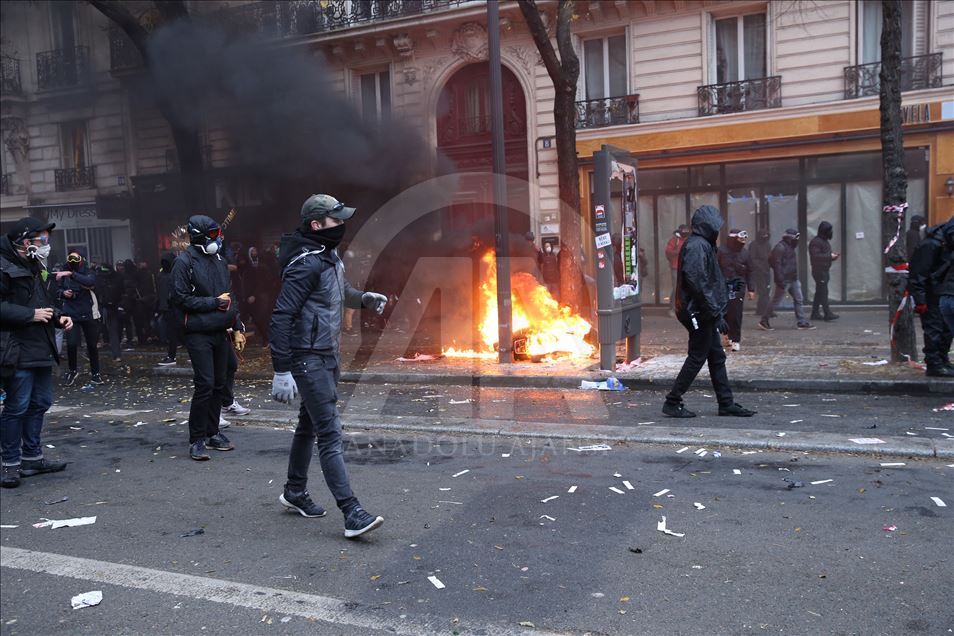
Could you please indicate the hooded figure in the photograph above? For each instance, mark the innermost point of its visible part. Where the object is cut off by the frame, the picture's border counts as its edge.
(914, 235)
(930, 282)
(821, 258)
(701, 298)
(735, 265)
(784, 262)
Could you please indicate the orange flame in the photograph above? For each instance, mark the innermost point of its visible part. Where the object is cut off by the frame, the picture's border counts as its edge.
(550, 330)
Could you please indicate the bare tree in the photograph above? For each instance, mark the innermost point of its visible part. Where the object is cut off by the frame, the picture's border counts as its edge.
(895, 181)
(186, 137)
(564, 71)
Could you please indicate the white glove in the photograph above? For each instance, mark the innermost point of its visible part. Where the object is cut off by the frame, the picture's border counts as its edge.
(373, 300)
(284, 388)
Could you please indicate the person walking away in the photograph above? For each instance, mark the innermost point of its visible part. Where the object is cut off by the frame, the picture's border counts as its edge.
(821, 258)
(201, 292)
(305, 342)
(673, 247)
(784, 262)
(928, 283)
(168, 325)
(109, 291)
(701, 297)
(946, 284)
(736, 268)
(550, 270)
(759, 251)
(82, 306)
(27, 350)
(127, 307)
(914, 235)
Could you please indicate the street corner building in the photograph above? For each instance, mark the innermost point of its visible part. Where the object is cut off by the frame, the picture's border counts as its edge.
(766, 110)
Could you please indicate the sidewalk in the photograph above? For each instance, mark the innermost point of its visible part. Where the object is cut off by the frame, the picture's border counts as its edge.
(831, 358)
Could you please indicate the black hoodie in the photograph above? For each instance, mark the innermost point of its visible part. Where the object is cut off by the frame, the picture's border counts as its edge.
(819, 249)
(928, 275)
(25, 344)
(735, 263)
(913, 236)
(701, 286)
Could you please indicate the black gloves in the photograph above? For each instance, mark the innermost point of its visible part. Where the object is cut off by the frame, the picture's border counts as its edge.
(722, 326)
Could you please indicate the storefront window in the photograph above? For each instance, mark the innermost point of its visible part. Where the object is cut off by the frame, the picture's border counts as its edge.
(781, 206)
(824, 204)
(762, 171)
(742, 209)
(646, 237)
(863, 249)
(705, 176)
(663, 179)
(671, 213)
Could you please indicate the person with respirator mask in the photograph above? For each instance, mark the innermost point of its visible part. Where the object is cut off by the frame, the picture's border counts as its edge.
(305, 339)
(202, 294)
(27, 349)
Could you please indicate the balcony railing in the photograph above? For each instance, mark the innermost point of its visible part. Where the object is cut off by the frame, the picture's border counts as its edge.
(123, 54)
(10, 75)
(738, 97)
(75, 178)
(920, 71)
(607, 111)
(62, 68)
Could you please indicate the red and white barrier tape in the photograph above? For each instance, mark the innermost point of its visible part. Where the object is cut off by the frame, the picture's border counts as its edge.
(898, 211)
(897, 314)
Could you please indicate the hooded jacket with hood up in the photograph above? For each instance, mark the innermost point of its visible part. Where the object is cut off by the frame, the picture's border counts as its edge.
(913, 236)
(784, 261)
(819, 249)
(26, 344)
(735, 263)
(198, 280)
(929, 269)
(702, 290)
(308, 312)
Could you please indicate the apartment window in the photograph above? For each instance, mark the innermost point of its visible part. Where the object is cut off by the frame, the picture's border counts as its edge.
(913, 30)
(604, 67)
(75, 144)
(61, 16)
(739, 48)
(375, 96)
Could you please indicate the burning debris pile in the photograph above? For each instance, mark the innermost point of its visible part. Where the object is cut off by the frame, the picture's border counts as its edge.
(542, 328)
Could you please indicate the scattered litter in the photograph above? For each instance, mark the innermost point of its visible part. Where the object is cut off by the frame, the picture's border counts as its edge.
(703, 453)
(8, 526)
(716, 454)
(616, 490)
(572, 489)
(609, 384)
(829, 415)
(698, 505)
(53, 503)
(936, 428)
(636, 550)
(947, 407)
(467, 401)
(750, 452)
(443, 489)
(780, 435)
(285, 619)
(791, 405)
(910, 433)
(628, 485)
(192, 533)
(661, 492)
(437, 582)
(700, 451)
(87, 599)
(419, 357)
(822, 481)
(866, 440)
(796, 421)
(736, 471)
(548, 517)
(887, 464)
(617, 475)
(50, 446)
(940, 502)
(593, 447)
(505, 455)
(526, 624)
(65, 523)
(138, 424)
(661, 526)
(787, 470)
(794, 484)
(456, 503)
(683, 449)
(551, 498)
(623, 367)
(463, 472)
(890, 528)
(879, 363)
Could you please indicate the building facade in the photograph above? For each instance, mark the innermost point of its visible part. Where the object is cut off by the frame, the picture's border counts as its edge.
(767, 109)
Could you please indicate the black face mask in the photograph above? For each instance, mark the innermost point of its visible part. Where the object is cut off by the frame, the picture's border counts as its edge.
(329, 237)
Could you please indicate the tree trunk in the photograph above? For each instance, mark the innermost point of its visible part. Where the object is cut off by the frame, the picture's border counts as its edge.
(895, 182)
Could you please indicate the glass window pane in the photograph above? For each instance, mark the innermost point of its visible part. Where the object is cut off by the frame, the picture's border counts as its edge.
(617, 66)
(824, 204)
(727, 50)
(704, 176)
(369, 98)
(384, 84)
(753, 29)
(917, 201)
(761, 171)
(593, 58)
(742, 209)
(863, 267)
(782, 210)
(652, 265)
(663, 178)
(671, 209)
(871, 31)
(858, 166)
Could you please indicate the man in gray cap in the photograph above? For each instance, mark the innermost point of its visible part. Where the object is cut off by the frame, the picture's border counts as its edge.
(305, 336)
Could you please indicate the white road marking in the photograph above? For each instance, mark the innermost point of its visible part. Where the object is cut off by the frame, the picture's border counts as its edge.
(267, 599)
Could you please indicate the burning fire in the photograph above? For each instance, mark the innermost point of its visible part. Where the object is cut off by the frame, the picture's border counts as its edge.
(541, 326)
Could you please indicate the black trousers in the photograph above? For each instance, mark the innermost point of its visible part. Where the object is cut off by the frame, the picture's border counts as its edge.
(173, 332)
(228, 391)
(317, 378)
(112, 324)
(90, 330)
(209, 353)
(937, 337)
(704, 346)
(733, 316)
(820, 301)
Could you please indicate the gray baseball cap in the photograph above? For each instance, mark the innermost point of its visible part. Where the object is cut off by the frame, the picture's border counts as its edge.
(320, 205)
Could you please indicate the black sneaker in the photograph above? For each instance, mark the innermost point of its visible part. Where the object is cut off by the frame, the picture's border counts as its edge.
(11, 477)
(97, 379)
(70, 378)
(830, 317)
(301, 503)
(735, 410)
(168, 361)
(30, 467)
(939, 372)
(677, 410)
(219, 442)
(764, 325)
(198, 452)
(357, 522)
(806, 326)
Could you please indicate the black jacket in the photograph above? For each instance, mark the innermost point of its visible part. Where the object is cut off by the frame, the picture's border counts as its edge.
(913, 236)
(197, 281)
(82, 282)
(701, 286)
(759, 252)
(929, 268)
(25, 344)
(736, 264)
(784, 263)
(314, 292)
(109, 286)
(819, 249)
(164, 285)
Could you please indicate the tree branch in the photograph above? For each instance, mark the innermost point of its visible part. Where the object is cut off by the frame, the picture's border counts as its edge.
(569, 62)
(534, 19)
(120, 15)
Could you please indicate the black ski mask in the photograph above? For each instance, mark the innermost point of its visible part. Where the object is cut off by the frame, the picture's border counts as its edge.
(330, 237)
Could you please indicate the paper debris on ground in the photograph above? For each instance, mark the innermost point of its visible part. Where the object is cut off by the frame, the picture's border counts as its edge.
(661, 526)
(548, 517)
(947, 407)
(887, 464)
(623, 367)
(796, 421)
(940, 502)
(628, 485)
(87, 599)
(8, 526)
(593, 447)
(891, 528)
(463, 472)
(551, 498)
(780, 435)
(505, 455)
(661, 492)
(822, 481)
(65, 523)
(437, 582)
(57, 501)
(935, 428)
(467, 401)
(736, 471)
(572, 489)
(879, 363)
(609, 384)
(419, 357)
(683, 449)
(616, 490)
(698, 505)
(866, 440)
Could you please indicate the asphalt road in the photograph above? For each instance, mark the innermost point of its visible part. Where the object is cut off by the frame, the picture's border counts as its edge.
(759, 558)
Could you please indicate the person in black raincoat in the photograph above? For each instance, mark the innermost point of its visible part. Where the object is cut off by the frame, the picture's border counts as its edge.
(701, 297)
(928, 282)
(821, 257)
(736, 267)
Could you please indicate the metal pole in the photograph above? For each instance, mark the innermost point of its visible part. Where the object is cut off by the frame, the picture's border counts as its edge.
(504, 309)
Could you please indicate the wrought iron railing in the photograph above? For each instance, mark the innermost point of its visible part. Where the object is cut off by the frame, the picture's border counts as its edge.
(123, 54)
(738, 97)
(10, 75)
(920, 71)
(75, 178)
(5, 184)
(607, 111)
(61, 68)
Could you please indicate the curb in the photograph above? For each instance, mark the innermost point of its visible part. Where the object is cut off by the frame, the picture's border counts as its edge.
(652, 435)
(792, 385)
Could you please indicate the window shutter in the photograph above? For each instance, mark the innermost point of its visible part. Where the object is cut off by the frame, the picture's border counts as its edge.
(921, 28)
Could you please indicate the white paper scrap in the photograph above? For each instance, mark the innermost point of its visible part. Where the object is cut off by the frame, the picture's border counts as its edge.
(935, 428)
(886, 464)
(505, 455)
(594, 447)
(683, 449)
(700, 451)
(878, 363)
(661, 492)
(661, 526)
(866, 440)
(616, 490)
(437, 582)
(443, 489)
(617, 475)
(87, 599)
(548, 517)
(698, 505)
(66, 523)
(703, 453)
(940, 502)
(572, 489)
(780, 435)
(822, 481)
(463, 472)
(796, 421)
(467, 401)
(8, 526)
(736, 471)
(628, 485)
(550, 498)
